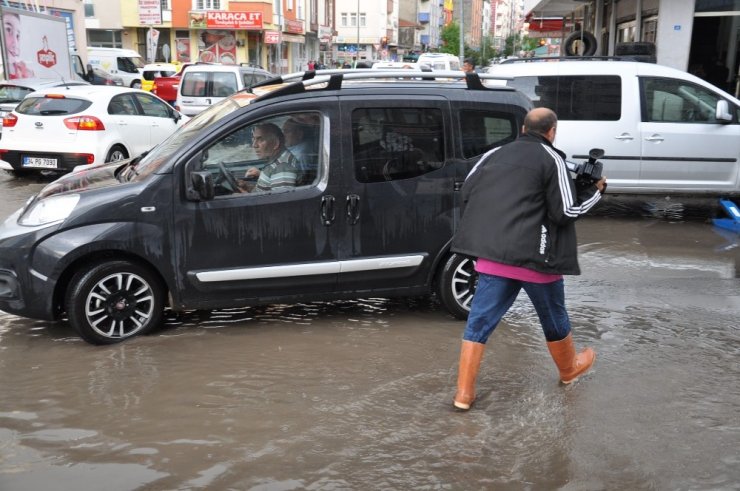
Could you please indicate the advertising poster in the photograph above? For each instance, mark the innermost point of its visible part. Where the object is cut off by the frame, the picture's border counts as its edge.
(182, 47)
(217, 47)
(34, 45)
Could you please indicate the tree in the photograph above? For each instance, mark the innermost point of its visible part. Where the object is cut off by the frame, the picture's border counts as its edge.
(450, 37)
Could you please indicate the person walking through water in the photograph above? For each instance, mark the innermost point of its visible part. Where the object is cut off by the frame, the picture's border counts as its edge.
(519, 210)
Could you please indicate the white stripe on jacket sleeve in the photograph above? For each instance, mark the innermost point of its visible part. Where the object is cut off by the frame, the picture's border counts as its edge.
(570, 209)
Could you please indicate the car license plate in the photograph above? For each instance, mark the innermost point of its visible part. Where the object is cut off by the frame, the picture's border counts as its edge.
(42, 162)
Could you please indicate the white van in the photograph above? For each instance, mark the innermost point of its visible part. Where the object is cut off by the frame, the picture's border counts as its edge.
(664, 131)
(124, 63)
(440, 61)
(205, 84)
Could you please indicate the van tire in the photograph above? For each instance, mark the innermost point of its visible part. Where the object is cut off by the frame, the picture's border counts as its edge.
(136, 84)
(456, 285)
(572, 42)
(116, 153)
(114, 300)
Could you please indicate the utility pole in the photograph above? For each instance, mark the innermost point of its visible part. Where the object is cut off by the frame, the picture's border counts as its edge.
(462, 35)
(357, 55)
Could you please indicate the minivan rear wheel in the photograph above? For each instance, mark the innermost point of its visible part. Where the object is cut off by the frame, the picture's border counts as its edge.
(112, 301)
(456, 286)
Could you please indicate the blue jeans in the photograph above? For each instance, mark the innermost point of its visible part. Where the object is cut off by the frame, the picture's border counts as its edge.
(495, 295)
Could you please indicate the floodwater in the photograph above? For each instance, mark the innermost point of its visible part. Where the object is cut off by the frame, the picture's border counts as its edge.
(357, 394)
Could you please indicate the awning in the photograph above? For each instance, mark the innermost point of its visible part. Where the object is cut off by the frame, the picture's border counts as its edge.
(545, 24)
(561, 8)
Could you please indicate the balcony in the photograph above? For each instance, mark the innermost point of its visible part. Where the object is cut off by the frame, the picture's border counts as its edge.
(423, 17)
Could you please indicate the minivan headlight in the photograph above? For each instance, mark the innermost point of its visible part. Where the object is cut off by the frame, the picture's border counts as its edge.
(49, 210)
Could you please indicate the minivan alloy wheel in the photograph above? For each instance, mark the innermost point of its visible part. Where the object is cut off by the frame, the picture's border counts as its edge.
(457, 283)
(114, 301)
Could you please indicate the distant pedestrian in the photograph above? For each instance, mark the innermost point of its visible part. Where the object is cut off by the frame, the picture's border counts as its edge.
(311, 65)
(469, 65)
(520, 206)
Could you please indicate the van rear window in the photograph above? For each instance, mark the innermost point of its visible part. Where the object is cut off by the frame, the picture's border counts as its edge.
(47, 106)
(577, 97)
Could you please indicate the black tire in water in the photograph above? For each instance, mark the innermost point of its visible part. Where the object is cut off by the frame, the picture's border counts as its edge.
(114, 300)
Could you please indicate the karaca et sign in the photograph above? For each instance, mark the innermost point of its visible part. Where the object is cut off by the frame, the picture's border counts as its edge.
(219, 19)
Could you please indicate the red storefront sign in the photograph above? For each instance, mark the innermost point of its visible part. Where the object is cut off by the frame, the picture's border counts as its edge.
(272, 37)
(221, 19)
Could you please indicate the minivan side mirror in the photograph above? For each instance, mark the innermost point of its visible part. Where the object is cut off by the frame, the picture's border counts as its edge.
(202, 182)
(722, 112)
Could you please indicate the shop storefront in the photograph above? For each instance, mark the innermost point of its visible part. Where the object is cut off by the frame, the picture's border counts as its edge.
(221, 37)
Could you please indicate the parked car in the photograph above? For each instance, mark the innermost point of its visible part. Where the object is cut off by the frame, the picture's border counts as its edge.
(60, 128)
(101, 77)
(110, 247)
(166, 87)
(154, 71)
(664, 131)
(12, 92)
(205, 84)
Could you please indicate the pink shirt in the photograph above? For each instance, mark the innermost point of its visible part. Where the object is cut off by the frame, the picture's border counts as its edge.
(514, 272)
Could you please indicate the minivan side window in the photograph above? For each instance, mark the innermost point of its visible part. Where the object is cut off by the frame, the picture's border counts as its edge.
(271, 155)
(396, 143)
(126, 65)
(482, 130)
(667, 100)
(575, 97)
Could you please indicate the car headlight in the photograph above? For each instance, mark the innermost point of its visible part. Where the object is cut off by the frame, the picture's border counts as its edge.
(49, 210)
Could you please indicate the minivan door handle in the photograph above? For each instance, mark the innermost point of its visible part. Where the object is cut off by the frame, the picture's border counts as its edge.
(624, 136)
(327, 209)
(654, 138)
(353, 208)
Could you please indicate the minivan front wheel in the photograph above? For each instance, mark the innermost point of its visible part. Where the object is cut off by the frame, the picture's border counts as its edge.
(113, 301)
(456, 286)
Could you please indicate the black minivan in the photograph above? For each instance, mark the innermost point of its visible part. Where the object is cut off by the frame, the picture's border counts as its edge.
(365, 169)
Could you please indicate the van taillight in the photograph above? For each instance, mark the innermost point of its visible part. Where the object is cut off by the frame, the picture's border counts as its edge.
(10, 120)
(84, 123)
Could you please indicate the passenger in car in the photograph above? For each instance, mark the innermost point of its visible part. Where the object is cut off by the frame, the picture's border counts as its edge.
(280, 171)
(301, 141)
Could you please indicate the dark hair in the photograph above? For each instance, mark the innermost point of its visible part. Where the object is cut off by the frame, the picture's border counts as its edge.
(469, 61)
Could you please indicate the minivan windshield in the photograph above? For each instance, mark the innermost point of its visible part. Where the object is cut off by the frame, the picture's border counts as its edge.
(159, 155)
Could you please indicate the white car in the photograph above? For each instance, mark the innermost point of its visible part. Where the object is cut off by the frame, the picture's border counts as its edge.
(61, 128)
(12, 92)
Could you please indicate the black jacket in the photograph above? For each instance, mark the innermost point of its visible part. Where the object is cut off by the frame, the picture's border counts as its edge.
(519, 208)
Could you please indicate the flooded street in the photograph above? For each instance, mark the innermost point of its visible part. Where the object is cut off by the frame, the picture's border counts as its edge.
(357, 394)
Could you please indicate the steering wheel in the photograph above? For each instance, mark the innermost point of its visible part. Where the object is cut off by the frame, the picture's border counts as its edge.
(228, 177)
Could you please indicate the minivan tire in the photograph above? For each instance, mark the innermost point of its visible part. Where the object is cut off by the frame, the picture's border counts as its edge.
(589, 44)
(456, 285)
(114, 300)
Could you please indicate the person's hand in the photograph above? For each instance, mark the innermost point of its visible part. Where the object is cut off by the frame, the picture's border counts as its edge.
(601, 185)
(252, 173)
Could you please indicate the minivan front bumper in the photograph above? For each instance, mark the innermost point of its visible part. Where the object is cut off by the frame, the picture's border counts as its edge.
(22, 290)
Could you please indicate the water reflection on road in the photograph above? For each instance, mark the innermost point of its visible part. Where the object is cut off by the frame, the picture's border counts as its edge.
(356, 394)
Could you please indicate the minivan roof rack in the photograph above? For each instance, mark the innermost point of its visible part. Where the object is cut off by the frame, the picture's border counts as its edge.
(300, 81)
(569, 58)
